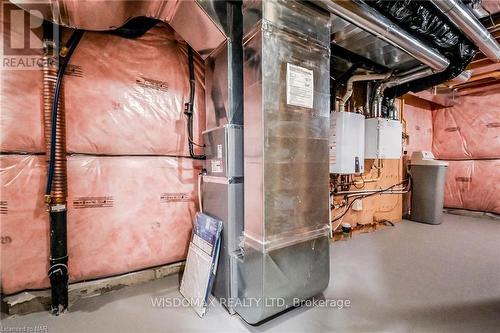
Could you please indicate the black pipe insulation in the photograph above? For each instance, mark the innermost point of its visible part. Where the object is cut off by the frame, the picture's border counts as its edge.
(58, 271)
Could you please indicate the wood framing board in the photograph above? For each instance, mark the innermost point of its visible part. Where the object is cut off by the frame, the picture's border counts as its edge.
(381, 206)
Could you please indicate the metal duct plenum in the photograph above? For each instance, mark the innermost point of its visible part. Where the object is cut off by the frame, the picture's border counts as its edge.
(465, 20)
(364, 16)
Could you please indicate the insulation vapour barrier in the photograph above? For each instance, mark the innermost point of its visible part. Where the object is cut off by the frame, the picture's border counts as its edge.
(24, 223)
(126, 96)
(124, 214)
(470, 129)
(122, 97)
(21, 117)
(473, 185)
(418, 117)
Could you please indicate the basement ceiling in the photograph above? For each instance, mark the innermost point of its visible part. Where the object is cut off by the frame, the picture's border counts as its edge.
(361, 42)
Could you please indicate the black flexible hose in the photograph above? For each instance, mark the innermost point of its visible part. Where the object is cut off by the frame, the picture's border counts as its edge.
(63, 62)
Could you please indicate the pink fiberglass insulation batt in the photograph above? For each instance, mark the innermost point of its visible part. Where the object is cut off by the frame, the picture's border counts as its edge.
(21, 119)
(24, 223)
(126, 96)
(128, 213)
(20, 92)
(418, 117)
(473, 185)
(124, 214)
(470, 129)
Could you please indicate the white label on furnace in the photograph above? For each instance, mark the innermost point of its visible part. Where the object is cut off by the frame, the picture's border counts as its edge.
(217, 166)
(299, 86)
(219, 151)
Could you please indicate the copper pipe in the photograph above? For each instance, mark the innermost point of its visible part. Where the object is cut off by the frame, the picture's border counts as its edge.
(59, 183)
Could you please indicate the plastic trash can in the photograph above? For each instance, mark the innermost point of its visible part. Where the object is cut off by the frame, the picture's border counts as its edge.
(427, 196)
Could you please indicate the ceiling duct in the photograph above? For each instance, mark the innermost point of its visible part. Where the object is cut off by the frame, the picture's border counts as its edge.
(462, 17)
(369, 19)
(424, 21)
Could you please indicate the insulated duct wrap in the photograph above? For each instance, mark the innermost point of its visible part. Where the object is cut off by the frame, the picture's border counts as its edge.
(470, 129)
(473, 185)
(124, 214)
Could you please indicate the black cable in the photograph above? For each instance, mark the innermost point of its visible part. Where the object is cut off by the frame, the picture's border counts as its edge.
(189, 108)
(362, 186)
(63, 63)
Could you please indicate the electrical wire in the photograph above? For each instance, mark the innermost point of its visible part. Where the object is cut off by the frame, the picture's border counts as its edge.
(189, 108)
(362, 196)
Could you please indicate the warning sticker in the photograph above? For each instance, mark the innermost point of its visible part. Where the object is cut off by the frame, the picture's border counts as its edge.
(217, 166)
(93, 202)
(299, 86)
(175, 197)
(219, 151)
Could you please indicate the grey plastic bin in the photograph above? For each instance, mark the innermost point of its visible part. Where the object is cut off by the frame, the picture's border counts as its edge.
(427, 197)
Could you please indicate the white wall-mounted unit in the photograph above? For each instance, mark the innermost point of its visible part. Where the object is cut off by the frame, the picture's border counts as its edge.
(383, 138)
(347, 143)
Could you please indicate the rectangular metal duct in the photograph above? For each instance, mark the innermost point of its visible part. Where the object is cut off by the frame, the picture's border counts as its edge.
(279, 248)
(285, 248)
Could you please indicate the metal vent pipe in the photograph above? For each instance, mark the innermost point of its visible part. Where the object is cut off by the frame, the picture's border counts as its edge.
(408, 76)
(463, 18)
(371, 20)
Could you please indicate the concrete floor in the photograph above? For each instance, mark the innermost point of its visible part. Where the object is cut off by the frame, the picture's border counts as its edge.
(411, 277)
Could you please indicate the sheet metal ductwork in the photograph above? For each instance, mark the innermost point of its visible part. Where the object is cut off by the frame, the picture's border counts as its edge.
(465, 20)
(424, 21)
(362, 15)
(417, 28)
